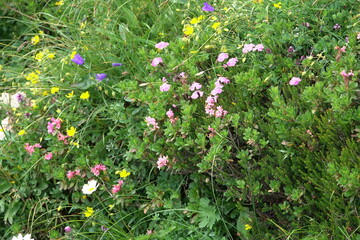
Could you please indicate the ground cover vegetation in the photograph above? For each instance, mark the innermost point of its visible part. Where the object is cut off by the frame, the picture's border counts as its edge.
(175, 119)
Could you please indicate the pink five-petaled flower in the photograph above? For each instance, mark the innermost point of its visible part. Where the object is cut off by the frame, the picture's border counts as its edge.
(232, 62)
(96, 170)
(156, 61)
(346, 75)
(117, 187)
(70, 174)
(161, 45)
(151, 121)
(165, 87)
(258, 47)
(294, 81)
(162, 161)
(207, 7)
(78, 59)
(223, 80)
(248, 48)
(170, 113)
(48, 156)
(195, 86)
(197, 94)
(222, 57)
(220, 112)
(216, 91)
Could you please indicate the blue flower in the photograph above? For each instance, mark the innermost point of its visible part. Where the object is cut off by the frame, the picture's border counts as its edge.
(100, 76)
(207, 7)
(116, 64)
(78, 59)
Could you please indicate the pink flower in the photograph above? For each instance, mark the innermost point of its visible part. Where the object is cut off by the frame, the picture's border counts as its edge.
(232, 62)
(67, 229)
(99, 167)
(170, 113)
(248, 48)
(62, 137)
(151, 121)
(343, 49)
(117, 188)
(358, 36)
(156, 61)
(30, 149)
(345, 75)
(161, 45)
(220, 112)
(165, 87)
(197, 94)
(48, 156)
(37, 145)
(195, 86)
(54, 123)
(258, 47)
(295, 81)
(223, 80)
(77, 172)
(50, 128)
(162, 161)
(222, 57)
(216, 91)
(211, 100)
(70, 174)
(218, 84)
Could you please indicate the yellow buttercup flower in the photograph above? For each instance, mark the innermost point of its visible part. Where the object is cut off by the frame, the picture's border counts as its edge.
(248, 227)
(188, 30)
(59, 3)
(85, 95)
(54, 90)
(71, 132)
(70, 94)
(82, 25)
(33, 77)
(123, 173)
(197, 20)
(39, 56)
(22, 132)
(215, 25)
(72, 54)
(45, 93)
(35, 40)
(51, 55)
(278, 5)
(89, 212)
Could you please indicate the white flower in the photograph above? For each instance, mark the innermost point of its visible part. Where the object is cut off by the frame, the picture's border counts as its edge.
(21, 237)
(90, 187)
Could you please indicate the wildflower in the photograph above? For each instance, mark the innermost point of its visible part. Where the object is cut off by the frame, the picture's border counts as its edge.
(77, 59)
(162, 161)
(40, 55)
(149, 232)
(216, 91)
(170, 113)
(222, 57)
(63, 138)
(89, 212)
(30, 149)
(123, 173)
(54, 90)
(35, 40)
(85, 95)
(33, 77)
(195, 86)
(96, 170)
(223, 80)
(294, 81)
(161, 45)
(117, 188)
(59, 3)
(21, 132)
(82, 25)
(70, 94)
(51, 55)
(248, 227)
(345, 75)
(77, 172)
(104, 229)
(71, 132)
(259, 47)
(278, 5)
(248, 48)
(21, 237)
(165, 87)
(90, 187)
(156, 61)
(291, 49)
(337, 26)
(48, 156)
(220, 112)
(196, 20)
(67, 229)
(188, 30)
(232, 62)
(151, 121)
(358, 36)
(117, 64)
(100, 76)
(70, 174)
(197, 94)
(207, 7)
(215, 25)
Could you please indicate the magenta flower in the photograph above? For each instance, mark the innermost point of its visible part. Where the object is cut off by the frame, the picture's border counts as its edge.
(337, 26)
(165, 87)
(248, 48)
(162, 161)
(197, 94)
(100, 76)
(117, 188)
(67, 229)
(346, 75)
(294, 81)
(232, 62)
(48, 156)
(195, 86)
(156, 61)
(30, 149)
(161, 45)
(78, 59)
(207, 7)
(222, 57)
(117, 64)
(70, 174)
(96, 170)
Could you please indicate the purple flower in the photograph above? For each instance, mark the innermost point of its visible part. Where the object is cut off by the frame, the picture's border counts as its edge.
(117, 64)
(67, 229)
(291, 49)
(78, 59)
(100, 76)
(103, 228)
(294, 81)
(207, 7)
(337, 26)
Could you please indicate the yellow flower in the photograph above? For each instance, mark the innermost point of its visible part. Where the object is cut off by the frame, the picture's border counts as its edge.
(45, 93)
(58, 110)
(89, 212)
(215, 25)
(54, 90)
(59, 3)
(188, 30)
(35, 40)
(51, 55)
(22, 132)
(39, 56)
(41, 32)
(123, 173)
(82, 25)
(70, 94)
(278, 5)
(71, 132)
(72, 54)
(33, 77)
(85, 95)
(248, 227)
(197, 20)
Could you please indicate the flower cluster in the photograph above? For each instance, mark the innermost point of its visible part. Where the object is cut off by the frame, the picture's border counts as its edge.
(54, 123)
(151, 122)
(97, 168)
(195, 88)
(210, 107)
(31, 148)
(252, 48)
(162, 161)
